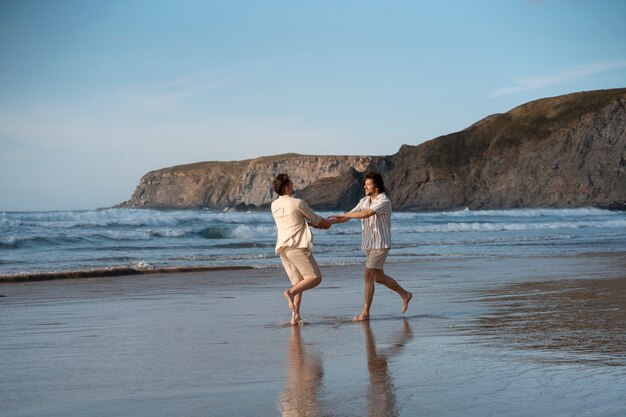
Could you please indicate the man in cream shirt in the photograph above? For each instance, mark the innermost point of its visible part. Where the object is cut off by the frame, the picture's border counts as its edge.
(295, 242)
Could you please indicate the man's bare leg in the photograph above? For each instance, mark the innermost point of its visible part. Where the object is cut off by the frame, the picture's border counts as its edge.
(290, 300)
(296, 320)
(405, 301)
(368, 295)
(294, 305)
(293, 296)
(393, 285)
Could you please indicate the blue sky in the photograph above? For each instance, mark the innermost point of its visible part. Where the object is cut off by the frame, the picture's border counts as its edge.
(94, 94)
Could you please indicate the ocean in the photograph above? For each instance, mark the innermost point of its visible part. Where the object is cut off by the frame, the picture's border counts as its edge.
(145, 240)
(514, 312)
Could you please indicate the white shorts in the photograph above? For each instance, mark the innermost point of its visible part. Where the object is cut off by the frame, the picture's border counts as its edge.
(299, 264)
(376, 258)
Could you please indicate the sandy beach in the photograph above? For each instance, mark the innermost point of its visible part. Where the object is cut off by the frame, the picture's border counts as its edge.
(482, 336)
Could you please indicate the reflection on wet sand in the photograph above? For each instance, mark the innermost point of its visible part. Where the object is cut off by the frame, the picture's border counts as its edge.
(381, 399)
(304, 376)
(584, 317)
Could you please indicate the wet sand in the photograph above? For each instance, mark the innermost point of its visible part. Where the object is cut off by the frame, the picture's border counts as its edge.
(491, 336)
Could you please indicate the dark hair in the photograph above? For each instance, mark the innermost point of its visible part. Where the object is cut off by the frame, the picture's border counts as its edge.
(280, 182)
(378, 180)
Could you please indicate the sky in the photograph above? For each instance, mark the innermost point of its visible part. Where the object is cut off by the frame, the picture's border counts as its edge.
(95, 94)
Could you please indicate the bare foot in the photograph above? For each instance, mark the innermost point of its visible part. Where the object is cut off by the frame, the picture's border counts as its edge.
(361, 317)
(406, 298)
(296, 320)
(289, 298)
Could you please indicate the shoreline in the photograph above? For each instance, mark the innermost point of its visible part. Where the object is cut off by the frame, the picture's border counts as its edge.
(120, 271)
(130, 270)
(116, 271)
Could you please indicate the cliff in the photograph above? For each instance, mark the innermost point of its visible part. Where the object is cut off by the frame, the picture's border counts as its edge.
(248, 184)
(566, 151)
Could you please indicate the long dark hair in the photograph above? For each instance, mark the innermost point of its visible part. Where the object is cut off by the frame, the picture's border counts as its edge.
(378, 180)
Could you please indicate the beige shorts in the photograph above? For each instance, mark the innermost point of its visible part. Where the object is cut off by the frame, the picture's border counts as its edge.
(299, 264)
(376, 258)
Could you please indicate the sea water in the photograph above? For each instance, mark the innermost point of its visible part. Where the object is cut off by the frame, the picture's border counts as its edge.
(162, 240)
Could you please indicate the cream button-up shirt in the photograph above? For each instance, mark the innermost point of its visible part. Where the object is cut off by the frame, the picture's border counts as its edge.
(290, 215)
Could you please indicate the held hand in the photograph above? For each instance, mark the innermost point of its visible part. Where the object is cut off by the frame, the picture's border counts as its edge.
(335, 219)
(324, 224)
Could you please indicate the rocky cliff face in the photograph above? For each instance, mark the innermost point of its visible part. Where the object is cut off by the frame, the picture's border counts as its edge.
(245, 184)
(566, 151)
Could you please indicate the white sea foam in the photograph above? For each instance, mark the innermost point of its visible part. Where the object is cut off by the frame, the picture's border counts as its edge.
(169, 233)
(518, 213)
(107, 217)
(494, 227)
(252, 232)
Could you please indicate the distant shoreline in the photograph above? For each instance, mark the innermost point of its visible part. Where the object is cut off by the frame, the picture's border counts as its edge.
(111, 272)
(121, 271)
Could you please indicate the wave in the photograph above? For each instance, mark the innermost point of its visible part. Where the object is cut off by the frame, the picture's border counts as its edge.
(237, 232)
(38, 237)
(119, 217)
(518, 213)
(169, 233)
(495, 227)
(229, 258)
(88, 218)
(14, 242)
(244, 245)
(214, 233)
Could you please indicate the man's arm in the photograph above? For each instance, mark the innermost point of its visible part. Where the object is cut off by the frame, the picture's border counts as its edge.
(317, 221)
(341, 218)
(323, 224)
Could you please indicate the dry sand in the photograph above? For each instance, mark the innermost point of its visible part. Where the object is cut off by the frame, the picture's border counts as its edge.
(492, 336)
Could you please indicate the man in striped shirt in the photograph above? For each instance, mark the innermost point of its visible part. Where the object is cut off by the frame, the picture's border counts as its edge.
(374, 210)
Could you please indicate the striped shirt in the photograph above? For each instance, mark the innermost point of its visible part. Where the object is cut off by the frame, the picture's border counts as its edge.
(376, 229)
